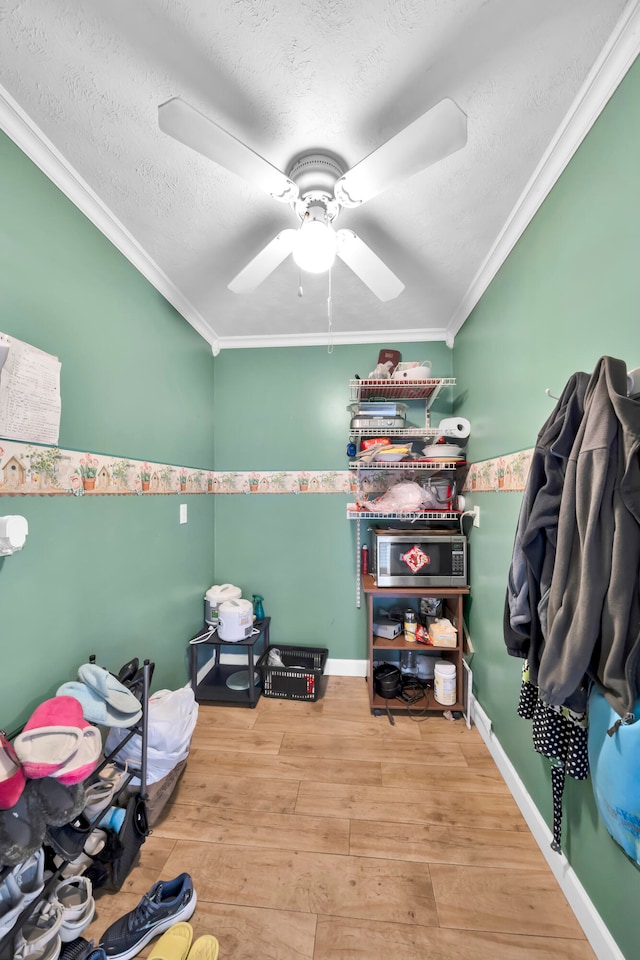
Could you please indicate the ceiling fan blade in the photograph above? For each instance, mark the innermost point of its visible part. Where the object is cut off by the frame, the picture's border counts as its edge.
(432, 137)
(189, 126)
(366, 265)
(264, 262)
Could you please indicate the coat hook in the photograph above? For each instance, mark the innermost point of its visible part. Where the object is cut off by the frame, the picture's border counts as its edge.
(549, 394)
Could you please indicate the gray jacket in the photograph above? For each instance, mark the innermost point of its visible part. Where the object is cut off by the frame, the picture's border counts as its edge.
(594, 601)
(534, 548)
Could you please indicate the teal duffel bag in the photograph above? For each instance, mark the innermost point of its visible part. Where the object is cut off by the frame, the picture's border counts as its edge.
(614, 761)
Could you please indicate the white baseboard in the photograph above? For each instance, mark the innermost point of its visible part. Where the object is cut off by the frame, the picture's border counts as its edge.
(333, 667)
(595, 930)
(345, 668)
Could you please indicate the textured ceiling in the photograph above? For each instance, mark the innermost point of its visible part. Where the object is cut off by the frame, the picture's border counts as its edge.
(286, 76)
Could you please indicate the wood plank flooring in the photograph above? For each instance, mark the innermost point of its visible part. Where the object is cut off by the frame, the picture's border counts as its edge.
(315, 831)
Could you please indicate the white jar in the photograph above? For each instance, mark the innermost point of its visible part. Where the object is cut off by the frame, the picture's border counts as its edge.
(445, 682)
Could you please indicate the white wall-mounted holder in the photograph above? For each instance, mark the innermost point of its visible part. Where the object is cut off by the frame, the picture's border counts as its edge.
(13, 534)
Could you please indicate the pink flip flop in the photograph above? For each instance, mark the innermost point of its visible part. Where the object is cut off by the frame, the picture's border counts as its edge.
(84, 760)
(51, 736)
(12, 778)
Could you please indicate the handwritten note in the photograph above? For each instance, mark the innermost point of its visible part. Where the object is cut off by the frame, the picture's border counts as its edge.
(29, 392)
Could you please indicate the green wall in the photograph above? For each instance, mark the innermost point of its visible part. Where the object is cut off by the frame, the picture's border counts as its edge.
(115, 576)
(286, 409)
(118, 576)
(568, 294)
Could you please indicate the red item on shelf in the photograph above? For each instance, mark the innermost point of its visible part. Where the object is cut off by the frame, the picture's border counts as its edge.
(374, 442)
(394, 356)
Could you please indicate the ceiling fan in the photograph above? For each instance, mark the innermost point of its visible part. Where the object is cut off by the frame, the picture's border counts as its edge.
(316, 187)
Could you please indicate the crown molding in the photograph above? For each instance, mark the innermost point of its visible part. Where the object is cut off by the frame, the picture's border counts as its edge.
(25, 134)
(608, 71)
(615, 59)
(334, 339)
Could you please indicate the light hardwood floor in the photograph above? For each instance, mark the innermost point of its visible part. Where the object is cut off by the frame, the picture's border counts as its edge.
(315, 831)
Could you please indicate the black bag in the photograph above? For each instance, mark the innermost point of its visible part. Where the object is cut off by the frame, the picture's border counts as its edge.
(132, 834)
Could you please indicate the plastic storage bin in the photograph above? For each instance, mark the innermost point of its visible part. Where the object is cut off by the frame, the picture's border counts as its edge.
(288, 683)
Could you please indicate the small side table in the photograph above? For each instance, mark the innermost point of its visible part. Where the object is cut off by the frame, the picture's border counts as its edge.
(212, 687)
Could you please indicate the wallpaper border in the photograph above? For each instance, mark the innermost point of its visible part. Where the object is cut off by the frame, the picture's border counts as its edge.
(29, 469)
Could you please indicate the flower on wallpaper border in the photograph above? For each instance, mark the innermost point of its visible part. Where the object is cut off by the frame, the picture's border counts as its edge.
(145, 472)
(165, 476)
(229, 481)
(88, 466)
(327, 480)
(278, 480)
(44, 460)
(120, 473)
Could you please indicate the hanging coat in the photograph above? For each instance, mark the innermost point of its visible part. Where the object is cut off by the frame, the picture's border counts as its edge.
(594, 601)
(534, 548)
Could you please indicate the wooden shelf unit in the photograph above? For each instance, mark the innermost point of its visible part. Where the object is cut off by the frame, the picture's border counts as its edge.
(453, 597)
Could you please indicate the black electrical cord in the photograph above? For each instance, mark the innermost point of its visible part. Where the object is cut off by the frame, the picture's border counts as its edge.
(413, 692)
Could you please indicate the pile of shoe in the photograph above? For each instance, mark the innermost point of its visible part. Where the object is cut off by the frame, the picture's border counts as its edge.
(178, 944)
(41, 776)
(50, 822)
(92, 848)
(59, 918)
(166, 907)
(162, 912)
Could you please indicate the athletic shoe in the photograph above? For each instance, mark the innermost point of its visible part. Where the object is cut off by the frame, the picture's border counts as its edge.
(81, 949)
(166, 903)
(40, 934)
(76, 949)
(78, 907)
(68, 840)
(19, 888)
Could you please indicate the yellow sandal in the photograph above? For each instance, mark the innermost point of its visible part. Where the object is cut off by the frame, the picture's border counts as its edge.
(174, 944)
(204, 948)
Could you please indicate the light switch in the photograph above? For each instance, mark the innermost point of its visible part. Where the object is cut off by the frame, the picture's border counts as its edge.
(183, 513)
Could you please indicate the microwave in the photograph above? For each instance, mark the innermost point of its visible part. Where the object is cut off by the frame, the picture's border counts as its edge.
(419, 558)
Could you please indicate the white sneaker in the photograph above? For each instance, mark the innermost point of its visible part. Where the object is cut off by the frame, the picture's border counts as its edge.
(39, 938)
(20, 888)
(30, 876)
(11, 903)
(74, 895)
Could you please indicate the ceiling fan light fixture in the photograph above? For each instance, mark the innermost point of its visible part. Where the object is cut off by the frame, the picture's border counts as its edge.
(315, 245)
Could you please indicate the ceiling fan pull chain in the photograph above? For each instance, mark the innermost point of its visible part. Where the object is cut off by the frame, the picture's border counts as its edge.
(329, 331)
